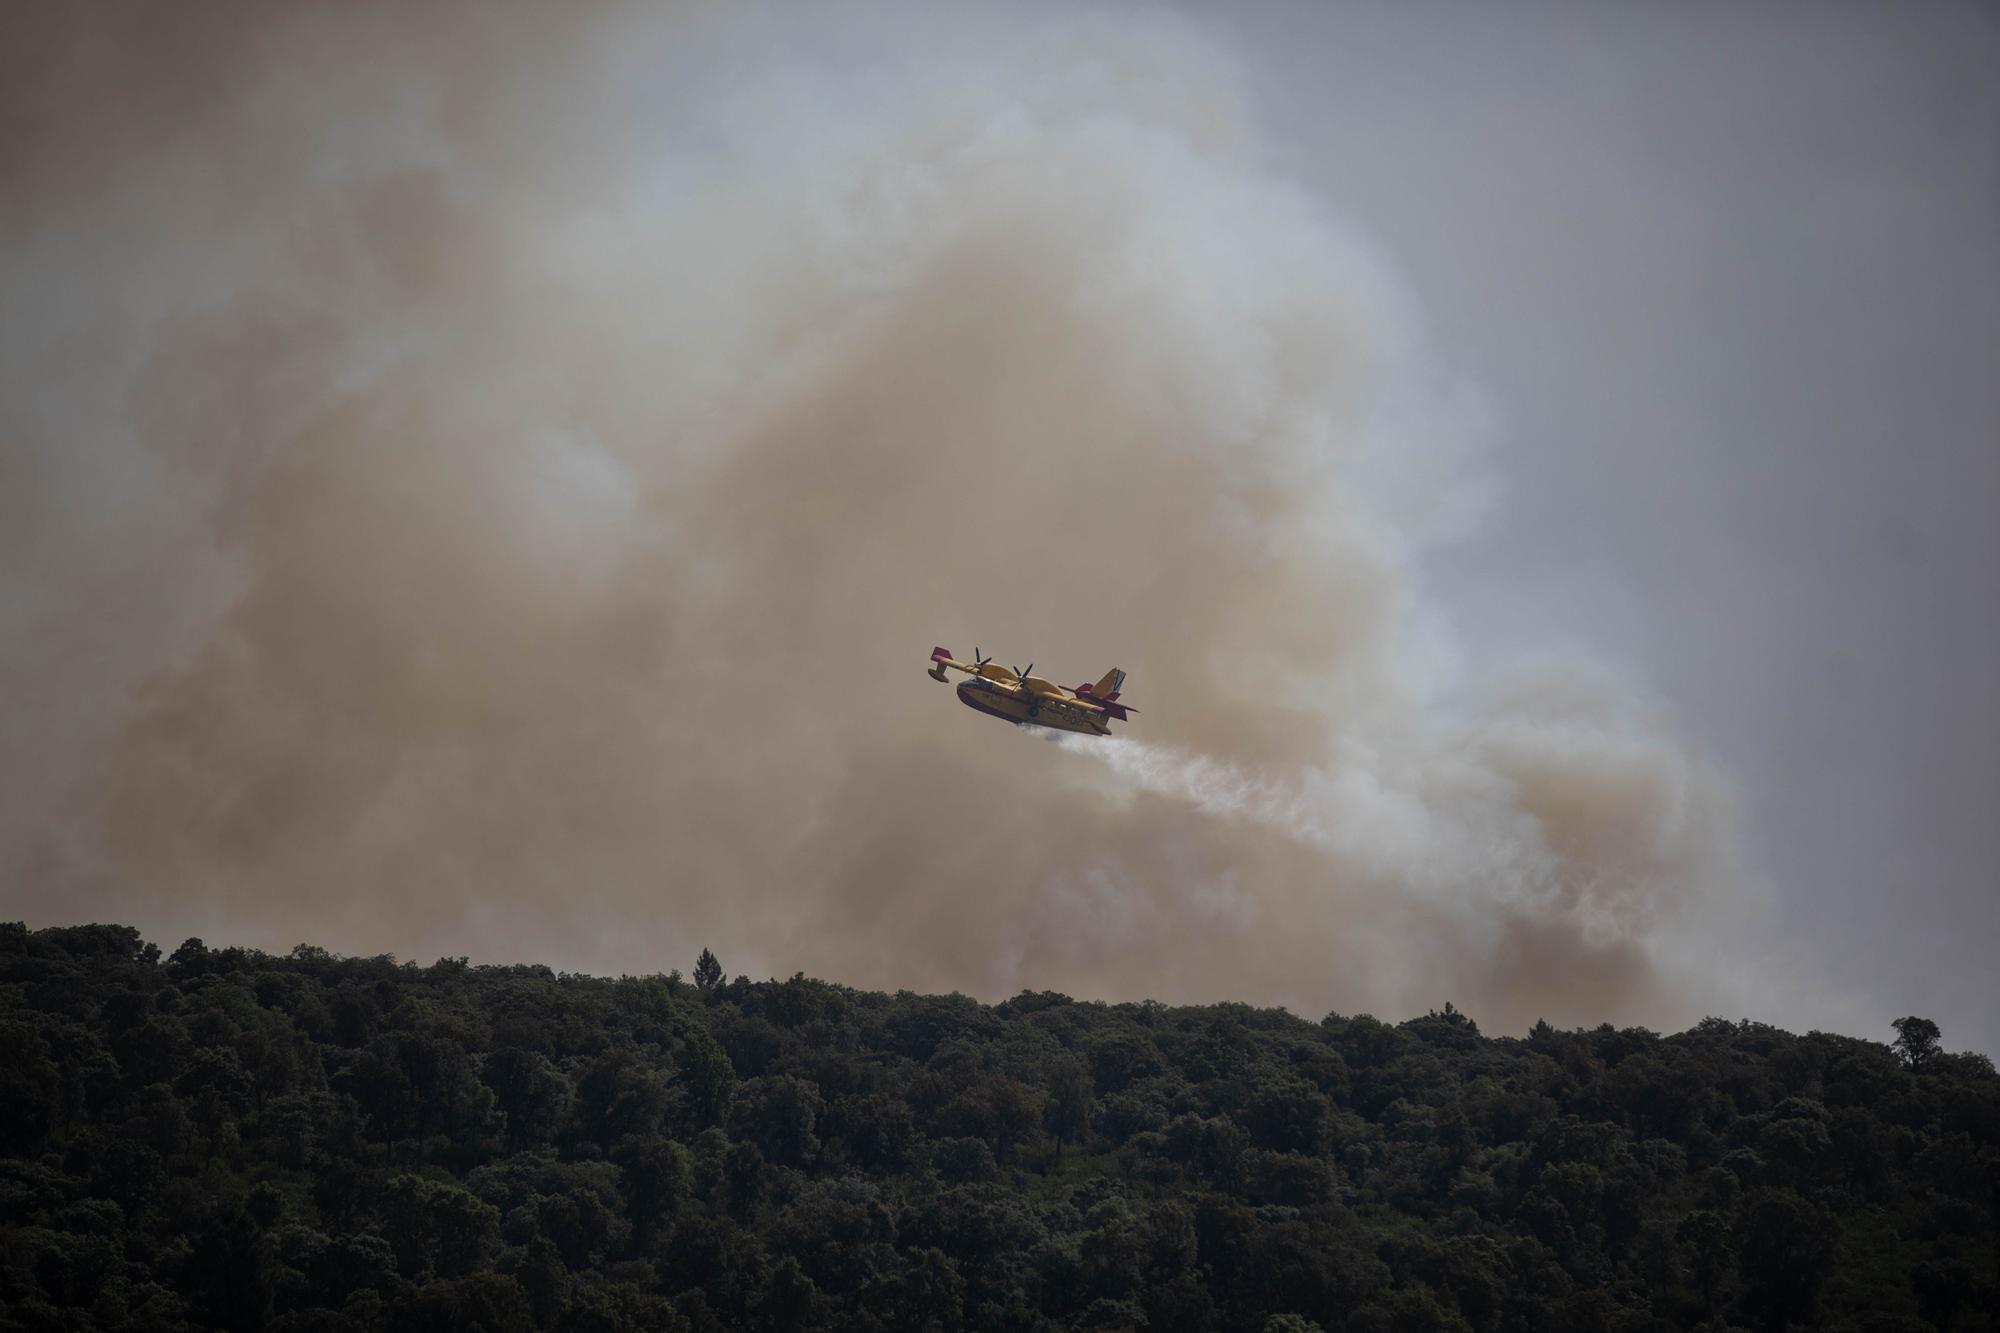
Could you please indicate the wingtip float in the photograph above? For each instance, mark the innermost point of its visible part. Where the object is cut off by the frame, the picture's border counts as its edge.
(1025, 699)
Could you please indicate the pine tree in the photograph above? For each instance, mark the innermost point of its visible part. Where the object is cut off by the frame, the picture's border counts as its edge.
(707, 973)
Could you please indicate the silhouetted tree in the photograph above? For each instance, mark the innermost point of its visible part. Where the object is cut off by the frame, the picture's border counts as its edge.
(1916, 1041)
(707, 973)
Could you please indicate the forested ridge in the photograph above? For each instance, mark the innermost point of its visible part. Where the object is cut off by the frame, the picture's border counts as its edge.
(223, 1138)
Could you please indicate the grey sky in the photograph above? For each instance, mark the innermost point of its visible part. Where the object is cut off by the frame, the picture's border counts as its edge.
(1727, 274)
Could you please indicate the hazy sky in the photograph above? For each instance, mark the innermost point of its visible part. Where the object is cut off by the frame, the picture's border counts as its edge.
(484, 480)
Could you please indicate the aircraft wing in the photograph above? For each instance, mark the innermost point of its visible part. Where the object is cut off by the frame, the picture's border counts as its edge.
(942, 659)
(983, 668)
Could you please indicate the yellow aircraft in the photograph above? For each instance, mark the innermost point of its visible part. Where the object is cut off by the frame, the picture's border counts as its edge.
(1025, 699)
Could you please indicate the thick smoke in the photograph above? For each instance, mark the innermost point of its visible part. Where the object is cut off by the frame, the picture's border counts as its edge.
(490, 488)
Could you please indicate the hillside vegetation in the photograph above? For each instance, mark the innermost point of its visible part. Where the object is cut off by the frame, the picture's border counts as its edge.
(227, 1139)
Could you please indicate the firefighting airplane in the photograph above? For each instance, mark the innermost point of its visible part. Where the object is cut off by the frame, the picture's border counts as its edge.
(1025, 699)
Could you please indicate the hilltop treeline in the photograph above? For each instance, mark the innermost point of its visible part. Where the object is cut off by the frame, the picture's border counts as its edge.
(226, 1139)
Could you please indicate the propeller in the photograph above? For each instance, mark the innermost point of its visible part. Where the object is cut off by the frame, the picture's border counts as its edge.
(1034, 700)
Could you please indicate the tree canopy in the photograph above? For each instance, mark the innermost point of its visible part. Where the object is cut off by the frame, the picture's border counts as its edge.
(227, 1139)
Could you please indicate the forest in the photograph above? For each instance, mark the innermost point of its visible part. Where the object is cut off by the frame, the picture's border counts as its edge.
(220, 1138)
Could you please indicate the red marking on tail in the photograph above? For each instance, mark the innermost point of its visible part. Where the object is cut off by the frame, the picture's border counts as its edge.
(1109, 702)
(941, 655)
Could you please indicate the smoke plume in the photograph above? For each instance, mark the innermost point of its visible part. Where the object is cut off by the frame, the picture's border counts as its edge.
(483, 481)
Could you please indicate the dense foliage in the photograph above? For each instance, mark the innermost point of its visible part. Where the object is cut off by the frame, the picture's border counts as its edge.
(225, 1139)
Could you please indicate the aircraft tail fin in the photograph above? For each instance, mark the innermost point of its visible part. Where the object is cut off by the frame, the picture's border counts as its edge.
(1105, 693)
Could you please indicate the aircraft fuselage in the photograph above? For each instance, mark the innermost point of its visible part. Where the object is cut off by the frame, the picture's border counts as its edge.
(1030, 710)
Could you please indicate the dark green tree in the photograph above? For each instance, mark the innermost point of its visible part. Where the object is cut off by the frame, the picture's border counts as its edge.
(789, 1299)
(708, 1080)
(1705, 1236)
(1784, 1246)
(229, 1276)
(656, 1177)
(532, 1094)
